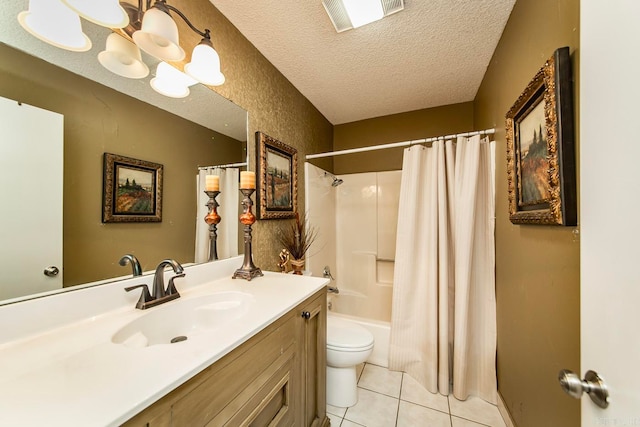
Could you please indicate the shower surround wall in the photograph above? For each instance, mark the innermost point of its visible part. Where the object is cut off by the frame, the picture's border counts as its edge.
(356, 224)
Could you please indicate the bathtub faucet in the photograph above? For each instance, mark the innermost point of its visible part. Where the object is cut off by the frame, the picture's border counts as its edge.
(326, 273)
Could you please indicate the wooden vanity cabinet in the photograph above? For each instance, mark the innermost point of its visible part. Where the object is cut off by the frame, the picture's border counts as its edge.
(313, 350)
(276, 378)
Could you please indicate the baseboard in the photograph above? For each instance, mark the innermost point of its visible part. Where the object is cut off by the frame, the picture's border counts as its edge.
(506, 416)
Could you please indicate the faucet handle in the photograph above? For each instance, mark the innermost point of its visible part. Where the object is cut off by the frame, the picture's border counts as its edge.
(171, 288)
(326, 273)
(145, 296)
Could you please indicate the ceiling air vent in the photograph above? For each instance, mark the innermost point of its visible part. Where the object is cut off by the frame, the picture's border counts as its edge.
(392, 6)
(340, 18)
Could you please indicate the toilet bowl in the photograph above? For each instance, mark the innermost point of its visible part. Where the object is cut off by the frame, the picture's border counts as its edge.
(348, 344)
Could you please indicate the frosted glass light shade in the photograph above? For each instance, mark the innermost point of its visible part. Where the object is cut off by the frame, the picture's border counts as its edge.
(171, 82)
(107, 13)
(362, 12)
(56, 24)
(205, 65)
(159, 36)
(123, 58)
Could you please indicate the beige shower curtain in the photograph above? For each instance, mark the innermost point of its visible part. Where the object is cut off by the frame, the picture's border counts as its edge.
(443, 322)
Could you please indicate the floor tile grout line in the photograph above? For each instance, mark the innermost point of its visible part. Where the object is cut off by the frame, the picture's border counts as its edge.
(377, 392)
(380, 366)
(424, 406)
(399, 394)
(468, 419)
(360, 375)
(336, 415)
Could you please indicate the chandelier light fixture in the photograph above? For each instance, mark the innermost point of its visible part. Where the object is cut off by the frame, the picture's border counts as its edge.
(56, 24)
(150, 28)
(107, 13)
(349, 14)
(170, 81)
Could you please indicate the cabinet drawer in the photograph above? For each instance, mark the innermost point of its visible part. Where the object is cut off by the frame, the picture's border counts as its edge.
(267, 402)
(233, 380)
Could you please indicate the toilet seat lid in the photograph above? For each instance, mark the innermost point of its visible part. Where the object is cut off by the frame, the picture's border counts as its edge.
(343, 334)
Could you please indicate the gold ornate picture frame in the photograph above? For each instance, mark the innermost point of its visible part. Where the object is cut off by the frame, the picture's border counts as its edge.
(541, 168)
(278, 178)
(131, 190)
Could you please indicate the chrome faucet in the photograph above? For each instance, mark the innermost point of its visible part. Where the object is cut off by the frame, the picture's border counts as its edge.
(326, 273)
(159, 295)
(135, 264)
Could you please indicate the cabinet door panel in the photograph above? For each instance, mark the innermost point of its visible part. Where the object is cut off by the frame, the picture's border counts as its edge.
(314, 361)
(271, 404)
(223, 391)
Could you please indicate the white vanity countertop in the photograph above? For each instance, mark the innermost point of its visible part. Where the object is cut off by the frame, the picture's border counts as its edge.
(73, 375)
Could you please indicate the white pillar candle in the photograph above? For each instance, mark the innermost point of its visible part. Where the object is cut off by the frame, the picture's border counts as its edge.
(247, 180)
(212, 183)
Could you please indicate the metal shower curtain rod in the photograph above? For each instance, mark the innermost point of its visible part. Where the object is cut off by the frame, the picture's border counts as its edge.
(229, 165)
(399, 144)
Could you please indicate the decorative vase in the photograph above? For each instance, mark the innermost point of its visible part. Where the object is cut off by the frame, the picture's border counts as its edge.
(297, 265)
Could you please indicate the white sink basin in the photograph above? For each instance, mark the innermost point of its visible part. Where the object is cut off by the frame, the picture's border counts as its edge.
(184, 318)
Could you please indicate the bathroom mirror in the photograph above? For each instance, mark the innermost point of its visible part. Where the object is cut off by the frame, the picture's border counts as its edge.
(107, 113)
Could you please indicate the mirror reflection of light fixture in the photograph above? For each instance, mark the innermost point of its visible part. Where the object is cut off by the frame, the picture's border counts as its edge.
(56, 24)
(123, 58)
(152, 29)
(171, 82)
(348, 14)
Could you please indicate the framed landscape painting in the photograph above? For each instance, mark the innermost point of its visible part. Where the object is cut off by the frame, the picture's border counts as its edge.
(278, 178)
(540, 148)
(132, 190)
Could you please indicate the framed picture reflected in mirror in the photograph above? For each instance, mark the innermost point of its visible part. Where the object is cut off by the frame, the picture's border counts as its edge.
(132, 190)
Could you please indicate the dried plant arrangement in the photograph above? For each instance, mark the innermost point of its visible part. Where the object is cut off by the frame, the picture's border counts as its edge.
(297, 237)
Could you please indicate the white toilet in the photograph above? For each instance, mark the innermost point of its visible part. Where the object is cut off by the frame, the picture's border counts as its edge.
(348, 344)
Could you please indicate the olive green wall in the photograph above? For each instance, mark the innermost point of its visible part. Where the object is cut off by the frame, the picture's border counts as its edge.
(275, 107)
(395, 128)
(98, 119)
(537, 267)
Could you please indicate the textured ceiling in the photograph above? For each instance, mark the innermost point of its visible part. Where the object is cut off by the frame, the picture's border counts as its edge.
(434, 52)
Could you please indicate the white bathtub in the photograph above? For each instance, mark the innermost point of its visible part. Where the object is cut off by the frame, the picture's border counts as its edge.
(380, 331)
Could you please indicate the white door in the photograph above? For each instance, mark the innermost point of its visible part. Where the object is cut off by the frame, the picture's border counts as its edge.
(610, 206)
(31, 162)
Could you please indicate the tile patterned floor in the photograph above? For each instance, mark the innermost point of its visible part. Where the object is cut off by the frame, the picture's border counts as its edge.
(394, 399)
